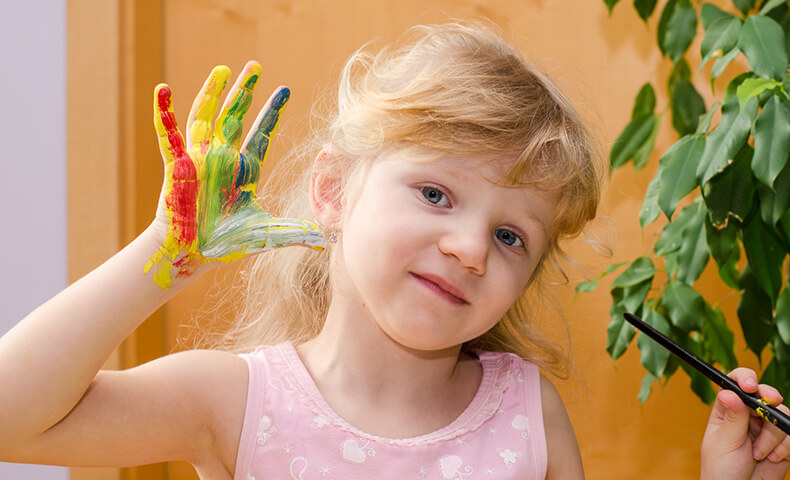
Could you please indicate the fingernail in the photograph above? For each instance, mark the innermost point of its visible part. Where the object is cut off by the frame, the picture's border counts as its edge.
(756, 454)
(774, 457)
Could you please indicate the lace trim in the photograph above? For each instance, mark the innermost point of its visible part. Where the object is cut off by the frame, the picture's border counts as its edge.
(497, 371)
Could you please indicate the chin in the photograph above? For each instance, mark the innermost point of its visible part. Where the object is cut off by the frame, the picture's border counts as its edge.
(427, 343)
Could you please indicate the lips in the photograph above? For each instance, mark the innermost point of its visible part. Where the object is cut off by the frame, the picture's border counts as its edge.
(442, 288)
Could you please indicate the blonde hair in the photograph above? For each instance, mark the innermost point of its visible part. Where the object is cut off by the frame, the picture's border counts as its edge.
(450, 89)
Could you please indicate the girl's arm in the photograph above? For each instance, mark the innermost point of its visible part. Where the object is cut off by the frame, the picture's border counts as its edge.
(564, 458)
(57, 410)
(56, 407)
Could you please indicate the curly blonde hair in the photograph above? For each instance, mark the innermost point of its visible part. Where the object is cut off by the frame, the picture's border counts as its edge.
(451, 89)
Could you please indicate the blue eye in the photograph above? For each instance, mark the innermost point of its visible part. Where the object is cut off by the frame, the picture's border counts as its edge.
(434, 196)
(509, 238)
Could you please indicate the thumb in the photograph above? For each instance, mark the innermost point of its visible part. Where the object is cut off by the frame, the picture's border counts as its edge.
(729, 419)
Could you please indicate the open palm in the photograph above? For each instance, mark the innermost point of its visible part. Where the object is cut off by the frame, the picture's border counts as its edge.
(209, 197)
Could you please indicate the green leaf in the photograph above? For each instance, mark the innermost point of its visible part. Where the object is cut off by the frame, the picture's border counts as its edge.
(638, 135)
(619, 333)
(610, 5)
(784, 224)
(781, 15)
(725, 250)
(721, 63)
(678, 169)
(647, 387)
(781, 351)
(634, 296)
(765, 254)
(654, 357)
(771, 140)
(671, 263)
(729, 137)
(782, 318)
(687, 107)
(679, 70)
(650, 208)
(762, 40)
(587, 286)
(640, 270)
(755, 313)
(700, 385)
(645, 102)
(776, 375)
(680, 29)
(694, 253)
(704, 121)
(718, 339)
(730, 194)
(672, 235)
(710, 13)
(663, 22)
(642, 154)
(685, 306)
(645, 8)
(590, 285)
(744, 5)
(751, 87)
(770, 5)
(720, 38)
(774, 203)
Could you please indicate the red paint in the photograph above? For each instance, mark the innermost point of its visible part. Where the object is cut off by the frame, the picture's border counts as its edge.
(174, 138)
(182, 199)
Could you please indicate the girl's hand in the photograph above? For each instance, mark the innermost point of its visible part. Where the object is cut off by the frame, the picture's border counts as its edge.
(740, 445)
(208, 206)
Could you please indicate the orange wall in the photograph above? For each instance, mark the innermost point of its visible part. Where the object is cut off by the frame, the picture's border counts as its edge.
(601, 62)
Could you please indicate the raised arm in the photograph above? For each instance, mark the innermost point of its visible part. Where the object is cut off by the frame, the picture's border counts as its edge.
(56, 407)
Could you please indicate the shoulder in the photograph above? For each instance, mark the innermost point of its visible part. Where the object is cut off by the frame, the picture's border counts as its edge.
(564, 458)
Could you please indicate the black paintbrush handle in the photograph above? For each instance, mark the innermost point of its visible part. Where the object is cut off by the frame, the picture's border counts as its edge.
(770, 413)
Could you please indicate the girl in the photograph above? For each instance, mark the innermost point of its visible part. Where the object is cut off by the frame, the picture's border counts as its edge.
(444, 181)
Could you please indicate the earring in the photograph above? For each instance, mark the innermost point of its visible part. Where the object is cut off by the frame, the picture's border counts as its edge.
(332, 237)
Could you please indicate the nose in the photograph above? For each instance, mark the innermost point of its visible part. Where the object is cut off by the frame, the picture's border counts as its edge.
(469, 245)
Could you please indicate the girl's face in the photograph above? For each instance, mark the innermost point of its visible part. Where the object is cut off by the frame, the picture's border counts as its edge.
(434, 252)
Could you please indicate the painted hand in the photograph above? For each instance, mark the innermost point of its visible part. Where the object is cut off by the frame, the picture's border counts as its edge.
(738, 444)
(209, 196)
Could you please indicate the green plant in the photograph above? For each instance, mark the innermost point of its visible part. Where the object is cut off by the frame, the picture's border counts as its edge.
(733, 183)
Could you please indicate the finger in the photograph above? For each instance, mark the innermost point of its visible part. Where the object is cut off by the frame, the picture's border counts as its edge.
(256, 146)
(768, 442)
(171, 142)
(204, 108)
(746, 379)
(781, 452)
(769, 394)
(252, 230)
(730, 417)
(229, 123)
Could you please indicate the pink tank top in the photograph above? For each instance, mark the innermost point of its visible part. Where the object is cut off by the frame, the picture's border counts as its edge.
(290, 432)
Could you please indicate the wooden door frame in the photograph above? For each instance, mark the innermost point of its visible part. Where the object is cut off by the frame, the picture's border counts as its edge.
(114, 59)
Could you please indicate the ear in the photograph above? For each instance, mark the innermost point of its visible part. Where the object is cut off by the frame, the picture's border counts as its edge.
(326, 188)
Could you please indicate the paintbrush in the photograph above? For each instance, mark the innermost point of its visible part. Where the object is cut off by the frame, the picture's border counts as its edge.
(770, 413)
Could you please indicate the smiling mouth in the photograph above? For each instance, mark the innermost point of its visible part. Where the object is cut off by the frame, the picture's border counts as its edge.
(441, 288)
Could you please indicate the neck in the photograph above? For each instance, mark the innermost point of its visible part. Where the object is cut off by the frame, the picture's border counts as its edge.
(356, 366)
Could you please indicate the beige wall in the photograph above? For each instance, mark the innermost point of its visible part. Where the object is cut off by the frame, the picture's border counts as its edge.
(600, 61)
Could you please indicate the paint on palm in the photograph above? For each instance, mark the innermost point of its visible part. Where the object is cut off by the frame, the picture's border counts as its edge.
(209, 196)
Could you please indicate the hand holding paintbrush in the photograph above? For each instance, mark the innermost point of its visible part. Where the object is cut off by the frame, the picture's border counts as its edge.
(745, 437)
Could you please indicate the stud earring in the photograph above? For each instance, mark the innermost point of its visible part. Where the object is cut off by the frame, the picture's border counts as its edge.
(332, 237)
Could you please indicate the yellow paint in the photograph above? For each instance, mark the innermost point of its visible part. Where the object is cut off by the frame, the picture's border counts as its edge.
(228, 229)
(204, 108)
